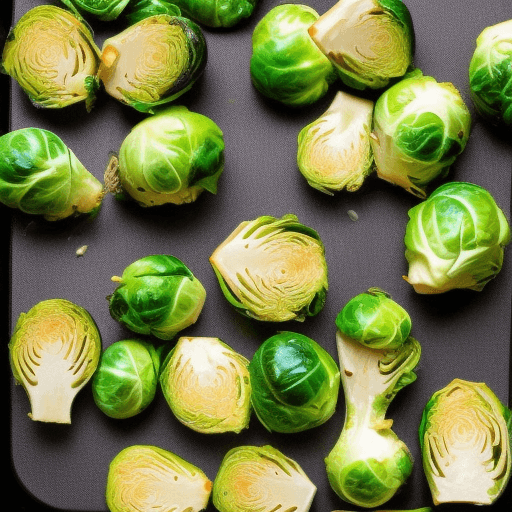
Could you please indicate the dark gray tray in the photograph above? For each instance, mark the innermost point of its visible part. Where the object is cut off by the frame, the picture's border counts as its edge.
(464, 335)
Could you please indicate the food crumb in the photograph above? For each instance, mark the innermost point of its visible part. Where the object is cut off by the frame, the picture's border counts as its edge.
(81, 250)
(353, 215)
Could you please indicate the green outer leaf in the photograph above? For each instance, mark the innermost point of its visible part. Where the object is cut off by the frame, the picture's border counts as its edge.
(217, 13)
(105, 10)
(141, 9)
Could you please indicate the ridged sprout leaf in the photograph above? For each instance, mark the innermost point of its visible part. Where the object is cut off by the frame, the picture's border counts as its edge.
(420, 127)
(217, 13)
(144, 478)
(466, 438)
(40, 175)
(455, 239)
(273, 269)
(67, 74)
(207, 385)
(370, 42)
(334, 151)
(261, 478)
(105, 10)
(53, 351)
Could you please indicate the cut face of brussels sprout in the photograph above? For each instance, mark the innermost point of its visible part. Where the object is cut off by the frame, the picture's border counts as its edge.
(105, 10)
(466, 436)
(490, 74)
(273, 269)
(261, 478)
(40, 175)
(157, 295)
(286, 65)
(144, 478)
(169, 158)
(295, 383)
(53, 57)
(420, 127)
(54, 351)
(153, 62)
(370, 42)
(455, 239)
(126, 380)
(334, 151)
(217, 13)
(369, 463)
(207, 385)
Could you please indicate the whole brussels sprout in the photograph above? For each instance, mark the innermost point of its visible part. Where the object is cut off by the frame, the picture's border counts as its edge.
(217, 13)
(286, 65)
(104, 10)
(140, 9)
(295, 383)
(157, 295)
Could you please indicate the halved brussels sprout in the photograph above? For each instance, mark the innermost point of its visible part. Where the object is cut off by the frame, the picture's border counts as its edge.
(273, 269)
(455, 239)
(153, 62)
(140, 9)
(369, 463)
(168, 158)
(295, 383)
(145, 478)
(370, 42)
(40, 175)
(217, 13)
(334, 151)
(490, 74)
(53, 57)
(420, 127)
(54, 350)
(104, 10)
(285, 65)
(207, 385)
(261, 478)
(126, 379)
(157, 295)
(466, 438)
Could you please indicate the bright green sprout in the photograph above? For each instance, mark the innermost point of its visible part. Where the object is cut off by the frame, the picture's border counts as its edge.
(455, 239)
(141, 9)
(217, 13)
(105, 10)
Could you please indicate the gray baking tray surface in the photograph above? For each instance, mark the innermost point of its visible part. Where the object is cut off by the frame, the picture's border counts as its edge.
(463, 334)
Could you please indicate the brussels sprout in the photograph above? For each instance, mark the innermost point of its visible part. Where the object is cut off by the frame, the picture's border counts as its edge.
(153, 62)
(422, 509)
(157, 295)
(295, 383)
(53, 57)
(490, 74)
(261, 478)
(273, 269)
(40, 175)
(370, 42)
(170, 157)
(207, 386)
(104, 10)
(217, 13)
(369, 463)
(140, 9)
(54, 350)
(126, 380)
(420, 127)
(455, 239)
(334, 151)
(145, 478)
(285, 65)
(466, 437)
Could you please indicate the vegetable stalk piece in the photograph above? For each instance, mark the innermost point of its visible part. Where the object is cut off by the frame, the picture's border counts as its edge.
(157, 295)
(261, 478)
(369, 463)
(455, 239)
(126, 380)
(207, 385)
(420, 127)
(370, 42)
(153, 62)
(334, 151)
(286, 66)
(53, 57)
(273, 269)
(295, 383)
(168, 158)
(466, 437)
(217, 13)
(145, 478)
(40, 175)
(54, 351)
(105, 10)
(490, 74)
